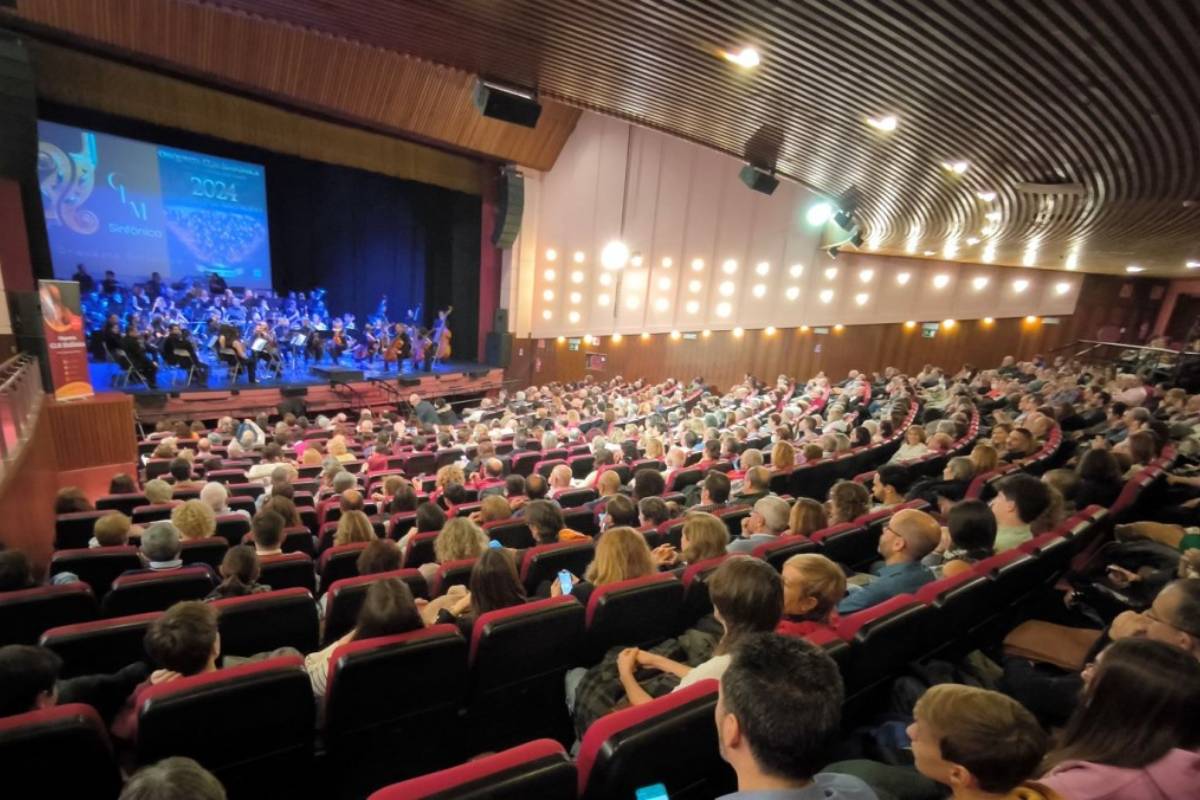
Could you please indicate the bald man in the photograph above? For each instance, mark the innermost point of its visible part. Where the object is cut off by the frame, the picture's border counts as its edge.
(560, 479)
(907, 537)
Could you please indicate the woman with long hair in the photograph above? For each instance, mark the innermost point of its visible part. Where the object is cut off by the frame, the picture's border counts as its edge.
(807, 517)
(783, 456)
(704, 536)
(239, 574)
(284, 507)
(493, 585)
(621, 554)
(354, 526)
(1136, 730)
(847, 502)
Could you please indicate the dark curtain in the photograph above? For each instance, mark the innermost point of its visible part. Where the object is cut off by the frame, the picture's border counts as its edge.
(357, 234)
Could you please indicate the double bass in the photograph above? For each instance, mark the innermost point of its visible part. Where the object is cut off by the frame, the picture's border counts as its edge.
(442, 335)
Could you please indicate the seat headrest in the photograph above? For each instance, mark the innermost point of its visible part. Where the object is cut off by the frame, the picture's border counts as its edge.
(536, 609)
(291, 594)
(471, 772)
(648, 583)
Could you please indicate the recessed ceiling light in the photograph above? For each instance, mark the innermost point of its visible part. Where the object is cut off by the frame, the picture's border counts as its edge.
(667, 262)
(645, 336)
(1135, 268)
(941, 281)
(578, 256)
(576, 297)
(695, 286)
(550, 274)
(861, 298)
(1193, 265)
(948, 324)
(793, 292)
(886, 123)
(726, 288)
(830, 273)
(706, 333)
(574, 317)
(929, 252)
(661, 304)
(796, 270)
(866, 275)
(724, 309)
(562, 339)
(614, 255)
(819, 213)
(989, 253)
(839, 327)
(547, 314)
(577, 277)
(697, 264)
(605, 279)
(972, 240)
(602, 299)
(692, 306)
(902, 278)
(675, 335)
(988, 320)
(616, 337)
(664, 283)
(986, 197)
(1062, 287)
(826, 295)
(912, 323)
(746, 58)
(730, 266)
(980, 283)
(737, 332)
(1031, 319)
(760, 290)
(636, 261)
(1020, 285)
(551, 254)
(957, 167)
(548, 294)
(769, 330)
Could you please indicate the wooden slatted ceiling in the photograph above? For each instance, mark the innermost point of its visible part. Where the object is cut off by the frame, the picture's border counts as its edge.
(1105, 93)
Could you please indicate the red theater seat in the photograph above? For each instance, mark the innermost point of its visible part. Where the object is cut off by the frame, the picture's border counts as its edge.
(339, 562)
(635, 613)
(345, 597)
(139, 592)
(391, 707)
(61, 751)
(784, 547)
(452, 573)
(100, 646)
(847, 543)
(125, 503)
(98, 567)
(418, 549)
(210, 551)
(695, 588)
(518, 657)
(257, 623)
(251, 726)
(287, 571)
(543, 562)
(232, 527)
(538, 769)
(144, 515)
(512, 533)
(885, 638)
(75, 530)
(624, 751)
(573, 498)
(25, 613)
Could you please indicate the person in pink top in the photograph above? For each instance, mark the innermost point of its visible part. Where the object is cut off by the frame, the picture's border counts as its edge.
(1136, 732)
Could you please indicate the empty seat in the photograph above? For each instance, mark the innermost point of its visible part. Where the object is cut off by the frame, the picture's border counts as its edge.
(512, 533)
(391, 707)
(339, 562)
(543, 562)
(623, 751)
(885, 638)
(98, 567)
(25, 613)
(232, 527)
(64, 750)
(847, 543)
(100, 646)
(209, 551)
(418, 549)
(784, 547)
(581, 465)
(522, 463)
(538, 769)
(75, 530)
(125, 503)
(288, 571)
(634, 613)
(143, 515)
(682, 478)
(517, 660)
(732, 517)
(572, 498)
(139, 592)
(581, 519)
(256, 623)
(452, 573)
(958, 603)
(345, 597)
(250, 725)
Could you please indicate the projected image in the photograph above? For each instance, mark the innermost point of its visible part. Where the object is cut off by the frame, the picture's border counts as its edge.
(134, 208)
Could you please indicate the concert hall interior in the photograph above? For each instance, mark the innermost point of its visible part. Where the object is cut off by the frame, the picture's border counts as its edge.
(610, 400)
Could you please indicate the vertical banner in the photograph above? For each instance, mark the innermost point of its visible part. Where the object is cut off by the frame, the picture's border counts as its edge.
(65, 343)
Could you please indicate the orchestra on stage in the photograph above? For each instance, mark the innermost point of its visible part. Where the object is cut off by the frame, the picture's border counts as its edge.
(196, 328)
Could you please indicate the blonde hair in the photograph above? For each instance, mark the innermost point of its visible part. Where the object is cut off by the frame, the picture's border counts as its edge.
(654, 447)
(451, 473)
(823, 581)
(158, 491)
(918, 430)
(494, 507)
(984, 457)
(194, 519)
(112, 529)
(783, 456)
(807, 517)
(354, 526)
(621, 554)
(311, 457)
(460, 539)
(706, 535)
(336, 446)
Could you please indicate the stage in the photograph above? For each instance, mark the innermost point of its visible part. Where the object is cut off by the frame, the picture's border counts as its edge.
(377, 388)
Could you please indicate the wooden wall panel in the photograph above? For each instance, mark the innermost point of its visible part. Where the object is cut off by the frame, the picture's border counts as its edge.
(27, 496)
(91, 432)
(722, 358)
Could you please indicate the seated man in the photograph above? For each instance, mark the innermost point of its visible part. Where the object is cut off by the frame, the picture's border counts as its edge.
(27, 679)
(766, 522)
(180, 470)
(216, 497)
(177, 776)
(1020, 499)
(620, 512)
(267, 530)
(1020, 444)
(778, 711)
(545, 521)
(183, 641)
(979, 743)
(714, 492)
(756, 485)
(891, 484)
(560, 480)
(491, 481)
(112, 530)
(909, 536)
(161, 546)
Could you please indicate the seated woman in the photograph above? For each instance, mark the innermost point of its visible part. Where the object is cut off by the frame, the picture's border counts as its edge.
(493, 585)
(122, 483)
(493, 509)
(239, 574)
(194, 519)
(387, 610)
(704, 536)
(949, 488)
(847, 502)
(71, 500)
(1100, 480)
(968, 538)
(459, 540)
(336, 448)
(807, 517)
(429, 518)
(747, 597)
(1136, 730)
(621, 555)
(984, 458)
(354, 526)
(783, 457)
(812, 587)
(914, 445)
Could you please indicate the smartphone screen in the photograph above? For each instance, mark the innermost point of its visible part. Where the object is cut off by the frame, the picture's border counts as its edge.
(564, 581)
(655, 791)
(494, 544)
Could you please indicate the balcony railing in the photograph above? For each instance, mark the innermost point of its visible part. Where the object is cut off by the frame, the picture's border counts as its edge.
(21, 396)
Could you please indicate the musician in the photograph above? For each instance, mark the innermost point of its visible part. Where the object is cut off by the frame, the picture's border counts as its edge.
(179, 350)
(154, 286)
(231, 348)
(265, 347)
(400, 348)
(440, 348)
(315, 346)
(109, 284)
(112, 334)
(369, 346)
(135, 351)
(138, 301)
(86, 281)
(337, 340)
(216, 284)
(422, 349)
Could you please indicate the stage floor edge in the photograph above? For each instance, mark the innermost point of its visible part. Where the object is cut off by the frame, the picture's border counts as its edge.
(376, 390)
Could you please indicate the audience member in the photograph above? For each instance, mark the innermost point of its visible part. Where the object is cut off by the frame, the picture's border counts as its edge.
(621, 554)
(354, 527)
(1020, 499)
(908, 537)
(239, 574)
(767, 521)
(175, 778)
(969, 537)
(161, 546)
(71, 500)
(704, 536)
(847, 502)
(112, 530)
(194, 520)
(267, 531)
(806, 517)
(812, 587)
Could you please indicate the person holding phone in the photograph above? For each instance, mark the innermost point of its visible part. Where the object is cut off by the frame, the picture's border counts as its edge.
(621, 554)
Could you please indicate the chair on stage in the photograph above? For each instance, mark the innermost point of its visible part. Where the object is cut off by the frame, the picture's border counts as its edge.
(129, 373)
(229, 357)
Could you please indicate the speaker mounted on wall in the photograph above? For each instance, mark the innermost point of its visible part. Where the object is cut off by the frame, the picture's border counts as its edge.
(759, 180)
(509, 208)
(507, 103)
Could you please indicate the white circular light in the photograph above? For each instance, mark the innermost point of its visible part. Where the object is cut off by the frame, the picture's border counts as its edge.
(546, 314)
(980, 283)
(551, 254)
(830, 273)
(861, 298)
(746, 58)
(605, 279)
(573, 317)
(724, 309)
(793, 292)
(729, 267)
(1135, 268)
(576, 297)
(578, 256)
(866, 275)
(760, 290)
(548, 294)
(769, 330)
(667, 262)
(577, 276)
(697, 264)
(819, 214)
(903, 278)
(664, 283)
(1020, 285)
(796, 270)
(887, 123)
(941, 281)
(636, 261)
(601, 299)
(762, 268)
(692, 306)
(661, 304)
(1062, 287)
(986, 197)
(614, 255)
(631, 303)
(826, 296)
(726, 288)
(957, 167)
(550, 274)
(695, 286)
(972, 240)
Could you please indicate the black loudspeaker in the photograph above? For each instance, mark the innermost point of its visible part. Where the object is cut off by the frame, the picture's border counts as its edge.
(409, 381)
(507, 103)
(294, 391)
(500, 320)
(151, 401)
(508, 210)
(758, 180)
(499, 348)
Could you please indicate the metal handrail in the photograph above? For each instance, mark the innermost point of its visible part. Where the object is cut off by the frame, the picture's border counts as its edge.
(21, 397)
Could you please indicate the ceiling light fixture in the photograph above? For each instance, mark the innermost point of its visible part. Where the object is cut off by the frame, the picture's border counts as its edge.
(614, 255)
(1192, 264)
(746, 58)
(980, 283)
(903, 278)
(886, 123)
(948, 324)
(697, 264)
(989, 253)
(796, 270)
(866, 275)
(792, 292)
(861, 298)
(551, 254)
(675, 335)
(692, 306)
(769, 330)
(661, 304)
(695, 286)
(1062, 287)
(972, 240)
(910, 324)
(573, 317)
(830, 273)
(724, 309)
(941, 281)
(726, 288)
(957, 167)
(737, 332)
(548, 295)
(1020, 285)
(579, 256)
(1135, 268)
(550, 274)
(636, 261)
(616, 338)
(986, 197)
(826, 296)
(729, 267)
(762, 268)
(760, 290)
(819, 214)
(667, 262)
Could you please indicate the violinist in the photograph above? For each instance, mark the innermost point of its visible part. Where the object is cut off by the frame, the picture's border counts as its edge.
(265, 347)
(338, 341)
(179, 350)
(135, 351)
(314, 348)
(422, 348)
(232, 350)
